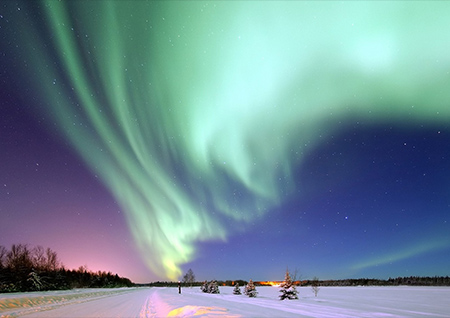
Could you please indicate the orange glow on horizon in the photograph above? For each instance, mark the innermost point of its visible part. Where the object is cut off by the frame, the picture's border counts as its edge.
(270, 283)
(276, 283)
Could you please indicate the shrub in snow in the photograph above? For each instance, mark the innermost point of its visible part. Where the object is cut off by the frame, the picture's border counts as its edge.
(250, 289)
(204, 287)
(237, 289)
(287, 288)
(315, 286)
(213, 288)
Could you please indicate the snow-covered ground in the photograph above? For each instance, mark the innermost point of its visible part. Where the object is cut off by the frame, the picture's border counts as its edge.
(164, 302)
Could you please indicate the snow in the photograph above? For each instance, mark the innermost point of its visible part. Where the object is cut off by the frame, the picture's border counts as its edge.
(167, 302)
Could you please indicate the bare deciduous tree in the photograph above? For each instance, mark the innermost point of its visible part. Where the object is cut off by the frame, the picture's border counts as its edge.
(315, 286)
(295, 276)
(3, 252)
(19, 257)
(52, 260)
(39, 258)
(189, 277)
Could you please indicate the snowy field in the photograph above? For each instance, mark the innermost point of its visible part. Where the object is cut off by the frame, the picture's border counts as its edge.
(166, 302)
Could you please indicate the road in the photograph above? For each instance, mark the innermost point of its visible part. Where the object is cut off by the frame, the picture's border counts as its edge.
(154, 302)
(137, 302)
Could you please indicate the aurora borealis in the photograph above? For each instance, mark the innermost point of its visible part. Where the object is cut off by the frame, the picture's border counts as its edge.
(302, 134)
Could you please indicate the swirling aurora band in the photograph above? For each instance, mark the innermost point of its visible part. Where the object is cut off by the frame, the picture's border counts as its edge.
(195, 113)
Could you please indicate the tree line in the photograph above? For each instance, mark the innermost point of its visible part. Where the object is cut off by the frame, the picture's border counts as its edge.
(315, 282)
(193, 283)
(31, 269)
(407, 281)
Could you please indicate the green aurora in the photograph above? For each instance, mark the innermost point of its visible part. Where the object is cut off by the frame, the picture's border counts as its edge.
(194, 114)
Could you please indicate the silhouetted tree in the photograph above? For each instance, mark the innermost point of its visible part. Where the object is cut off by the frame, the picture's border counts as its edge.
(39, 258)
(25, 269)
(19, 258)
(3, 252)
(189, 277)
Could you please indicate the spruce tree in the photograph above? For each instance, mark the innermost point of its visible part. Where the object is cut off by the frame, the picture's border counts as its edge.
(237, 290)
(34, 280)
(250, 289)
(288, 289)
(204, 287)
(213, 288)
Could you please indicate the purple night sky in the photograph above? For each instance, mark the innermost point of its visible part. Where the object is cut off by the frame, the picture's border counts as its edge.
(146, 138)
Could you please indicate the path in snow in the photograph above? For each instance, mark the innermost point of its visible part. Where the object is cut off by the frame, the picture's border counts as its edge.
(166, 302)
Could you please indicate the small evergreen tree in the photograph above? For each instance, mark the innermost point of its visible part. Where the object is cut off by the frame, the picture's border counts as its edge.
(34, 281)
(237, 289)
(213, 288)
(288, 289)
(204, 287)
(250, 289)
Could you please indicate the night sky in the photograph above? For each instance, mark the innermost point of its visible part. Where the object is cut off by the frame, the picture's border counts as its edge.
(234, 138)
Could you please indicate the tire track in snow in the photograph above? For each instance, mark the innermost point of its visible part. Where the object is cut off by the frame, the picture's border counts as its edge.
(154, 307)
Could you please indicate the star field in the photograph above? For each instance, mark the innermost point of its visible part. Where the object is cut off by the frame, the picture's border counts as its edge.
(233, 138)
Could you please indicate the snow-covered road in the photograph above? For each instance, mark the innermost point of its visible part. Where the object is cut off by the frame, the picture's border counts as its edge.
(164, 302)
